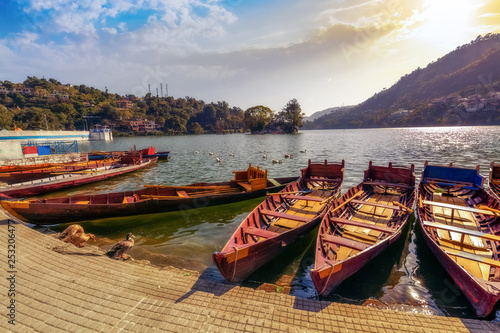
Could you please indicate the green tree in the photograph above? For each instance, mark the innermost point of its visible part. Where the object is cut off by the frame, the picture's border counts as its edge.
(292, 116)
(257, 118)
(5, 118)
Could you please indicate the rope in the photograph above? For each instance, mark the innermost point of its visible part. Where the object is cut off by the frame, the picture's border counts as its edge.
(327, 280)
(235, 261)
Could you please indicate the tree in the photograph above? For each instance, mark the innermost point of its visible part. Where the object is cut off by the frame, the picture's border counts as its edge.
(5, 118)
(257, 118)
(292, 116)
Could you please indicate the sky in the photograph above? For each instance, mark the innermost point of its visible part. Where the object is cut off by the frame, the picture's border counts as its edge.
(324, 53)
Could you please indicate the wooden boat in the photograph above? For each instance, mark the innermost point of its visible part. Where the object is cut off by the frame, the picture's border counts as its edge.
(280, 220)
(128, 163)
(494, 180)
(250, 183)
(460, 224)
(149, 152)
(362, 224)
(28, 175)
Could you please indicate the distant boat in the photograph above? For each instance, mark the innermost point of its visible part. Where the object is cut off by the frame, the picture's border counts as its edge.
(250, 183)
(128, 163)
(280, 220)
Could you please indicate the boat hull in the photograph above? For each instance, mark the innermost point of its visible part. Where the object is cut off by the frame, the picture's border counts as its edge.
(259, 238)
(482, 296)
(343, 244)
(69, 180)
(52, 213)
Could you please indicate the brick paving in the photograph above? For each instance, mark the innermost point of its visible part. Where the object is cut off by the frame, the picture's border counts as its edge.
(84, 291)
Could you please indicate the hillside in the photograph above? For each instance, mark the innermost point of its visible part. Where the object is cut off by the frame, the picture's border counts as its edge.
(460, 88)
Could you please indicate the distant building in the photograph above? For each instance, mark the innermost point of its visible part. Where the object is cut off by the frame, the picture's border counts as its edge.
(124, 104)
(142, 125)
(4, 90)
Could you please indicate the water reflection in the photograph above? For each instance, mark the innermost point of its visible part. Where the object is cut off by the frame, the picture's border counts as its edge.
(405, 277)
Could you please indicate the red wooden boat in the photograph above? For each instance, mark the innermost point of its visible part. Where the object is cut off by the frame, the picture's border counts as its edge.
(280, 220)
(28, 175)
(460, 224)
(494, 180)
(362, 223)
(251, 183)
(128, 163)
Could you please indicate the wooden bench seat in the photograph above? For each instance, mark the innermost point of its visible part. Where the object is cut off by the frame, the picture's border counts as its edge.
(246, 186)
(260, 232)
(303, 197)
(352, 244)
(457, 207)
(284, 215)
(473, 257)
(371, 203)
(387, 184)
(363, 225)
(463, 231)
(326, 180)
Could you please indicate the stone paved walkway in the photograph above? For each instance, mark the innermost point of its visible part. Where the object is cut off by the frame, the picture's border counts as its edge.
(83, 291)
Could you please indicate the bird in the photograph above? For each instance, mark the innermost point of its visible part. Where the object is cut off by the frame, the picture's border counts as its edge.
(75, 235)
(278, 161)
(264, 156)
(231, 154)
(304, 151)
(218, 159)
(196, 152)
(118, 250)
(287, 155)
(211, 154)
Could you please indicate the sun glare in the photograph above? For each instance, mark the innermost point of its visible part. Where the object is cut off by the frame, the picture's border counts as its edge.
(447, 22)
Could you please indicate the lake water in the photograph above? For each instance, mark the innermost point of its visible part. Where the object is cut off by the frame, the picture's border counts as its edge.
(405, 277)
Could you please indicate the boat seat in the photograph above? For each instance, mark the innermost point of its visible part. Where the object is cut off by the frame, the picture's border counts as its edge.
(363, 225)
(303, 197)
(380, 183)
(474, 257)
(457, 207)
(326, 180)
(375, 204)
(260, 232)
(82, 202)
(284, 215)
(352, 244)
(246, 186)
(182, 194)
(462, 231)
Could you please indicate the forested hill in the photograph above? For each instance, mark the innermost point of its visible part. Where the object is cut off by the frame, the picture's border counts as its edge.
(457, 89)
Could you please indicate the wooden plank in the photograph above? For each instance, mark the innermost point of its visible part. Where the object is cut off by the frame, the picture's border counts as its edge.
(457, 207)
(387, 184)
(453, 243)
(363, 225)
(284, 215)
(246, 186)
(473, 257)
(455, 218)
(182, 194)
(475, 233)
(260, 232)
(326, 180)
(375, 204)
(352, 244)
(304, 197)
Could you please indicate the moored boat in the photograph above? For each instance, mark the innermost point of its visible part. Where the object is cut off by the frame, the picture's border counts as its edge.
(28, 175)
(280, 220)
(128, 163)
(247, 184)
(362, 223)
(460, 225)
(494, 180)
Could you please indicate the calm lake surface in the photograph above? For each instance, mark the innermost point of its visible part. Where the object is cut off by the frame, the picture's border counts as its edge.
(406, 277)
